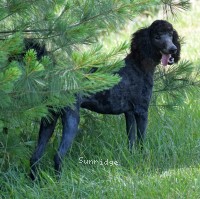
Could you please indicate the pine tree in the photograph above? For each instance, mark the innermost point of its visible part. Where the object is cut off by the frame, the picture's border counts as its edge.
(70, 31)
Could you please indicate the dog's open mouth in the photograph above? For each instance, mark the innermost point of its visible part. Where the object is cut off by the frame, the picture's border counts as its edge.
(167, 59)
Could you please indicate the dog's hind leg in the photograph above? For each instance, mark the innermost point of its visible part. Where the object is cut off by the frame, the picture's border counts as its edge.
(70, 121)
(141, 120)
(46, 130)
(130, 128)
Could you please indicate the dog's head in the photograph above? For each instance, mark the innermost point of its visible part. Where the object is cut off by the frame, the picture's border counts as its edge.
(166, 40)
(159, 41)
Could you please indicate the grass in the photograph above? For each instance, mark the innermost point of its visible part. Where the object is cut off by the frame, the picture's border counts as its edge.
(169, 166)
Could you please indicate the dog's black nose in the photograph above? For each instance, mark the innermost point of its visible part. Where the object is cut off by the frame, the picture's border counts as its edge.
(173, 50)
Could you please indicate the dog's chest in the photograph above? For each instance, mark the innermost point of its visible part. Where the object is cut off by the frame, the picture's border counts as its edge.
(137, 90)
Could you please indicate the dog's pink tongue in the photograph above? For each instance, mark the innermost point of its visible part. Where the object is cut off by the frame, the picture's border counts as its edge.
(165, 59)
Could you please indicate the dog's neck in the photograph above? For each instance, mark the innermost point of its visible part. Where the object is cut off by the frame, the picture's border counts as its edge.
(148, 65)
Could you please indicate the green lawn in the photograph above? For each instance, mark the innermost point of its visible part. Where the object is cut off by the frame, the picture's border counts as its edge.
(169, 166)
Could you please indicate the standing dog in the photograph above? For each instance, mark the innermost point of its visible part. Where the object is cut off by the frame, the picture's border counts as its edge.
(131, 96)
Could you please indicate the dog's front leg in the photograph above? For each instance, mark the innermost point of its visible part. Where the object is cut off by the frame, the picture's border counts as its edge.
(70, 121)
(130, 128)
(141, 120)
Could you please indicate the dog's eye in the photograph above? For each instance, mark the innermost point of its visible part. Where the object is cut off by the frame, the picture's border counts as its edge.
(157, 37)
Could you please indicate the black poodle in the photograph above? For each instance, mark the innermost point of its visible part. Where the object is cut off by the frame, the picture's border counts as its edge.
(157, 43)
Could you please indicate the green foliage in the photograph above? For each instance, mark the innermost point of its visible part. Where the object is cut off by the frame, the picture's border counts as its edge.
(175, 84)
(28, 87)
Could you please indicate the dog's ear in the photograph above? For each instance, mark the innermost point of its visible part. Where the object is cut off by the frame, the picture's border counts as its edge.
(176, 41)
(141, 44)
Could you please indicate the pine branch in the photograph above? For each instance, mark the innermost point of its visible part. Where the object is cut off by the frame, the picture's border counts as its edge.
(173, 6)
